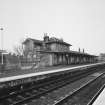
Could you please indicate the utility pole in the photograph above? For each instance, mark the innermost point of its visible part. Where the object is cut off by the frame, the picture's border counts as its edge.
(1, 29)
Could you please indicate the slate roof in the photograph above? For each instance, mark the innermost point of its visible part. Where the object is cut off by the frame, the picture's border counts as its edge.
(68, 52)
(49, 42)
(35, 40)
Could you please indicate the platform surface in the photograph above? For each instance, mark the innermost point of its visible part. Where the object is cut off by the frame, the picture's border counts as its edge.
(41, 71)
(100, 99)
(27, 71)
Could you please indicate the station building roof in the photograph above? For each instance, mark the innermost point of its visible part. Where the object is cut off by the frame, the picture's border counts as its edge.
(34, 40)
(60, 42)
(48, 42)
(67, 52)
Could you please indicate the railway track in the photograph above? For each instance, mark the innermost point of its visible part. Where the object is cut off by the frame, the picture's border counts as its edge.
(86, 94)
(96, 95)
(35, 92)
(23, 96)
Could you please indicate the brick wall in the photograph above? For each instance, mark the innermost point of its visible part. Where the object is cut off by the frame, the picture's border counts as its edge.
(45, 59)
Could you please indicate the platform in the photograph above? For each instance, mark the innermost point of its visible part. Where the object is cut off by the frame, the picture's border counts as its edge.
(100, 99)
(37, 70)
(42, 71)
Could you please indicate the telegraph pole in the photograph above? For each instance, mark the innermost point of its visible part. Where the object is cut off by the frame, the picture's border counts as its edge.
(1, 29)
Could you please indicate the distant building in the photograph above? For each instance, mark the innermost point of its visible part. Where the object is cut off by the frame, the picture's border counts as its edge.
(9, 61)
(102, 57)
(2, 53)
(52, 51)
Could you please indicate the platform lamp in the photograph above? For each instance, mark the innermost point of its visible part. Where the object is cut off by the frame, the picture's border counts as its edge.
(1, 29)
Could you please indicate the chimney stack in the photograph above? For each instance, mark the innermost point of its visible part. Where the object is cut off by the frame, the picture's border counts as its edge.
(79, 49)
(46, 37)
(83, 50)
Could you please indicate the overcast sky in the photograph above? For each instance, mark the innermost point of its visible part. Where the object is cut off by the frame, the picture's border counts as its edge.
(79, 22)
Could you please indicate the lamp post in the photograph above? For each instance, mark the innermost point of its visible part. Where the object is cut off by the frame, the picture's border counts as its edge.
(2, 45)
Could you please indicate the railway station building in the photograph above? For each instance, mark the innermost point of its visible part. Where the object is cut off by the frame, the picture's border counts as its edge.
(53, 51)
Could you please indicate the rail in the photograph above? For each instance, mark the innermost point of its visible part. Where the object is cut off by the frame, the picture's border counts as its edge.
(76, 91)
(44, 88)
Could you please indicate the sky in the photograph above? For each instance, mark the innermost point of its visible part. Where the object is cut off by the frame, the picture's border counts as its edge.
(79, 22)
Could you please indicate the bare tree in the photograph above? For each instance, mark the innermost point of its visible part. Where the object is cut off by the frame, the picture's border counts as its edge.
(26, 56)
(19, 50)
